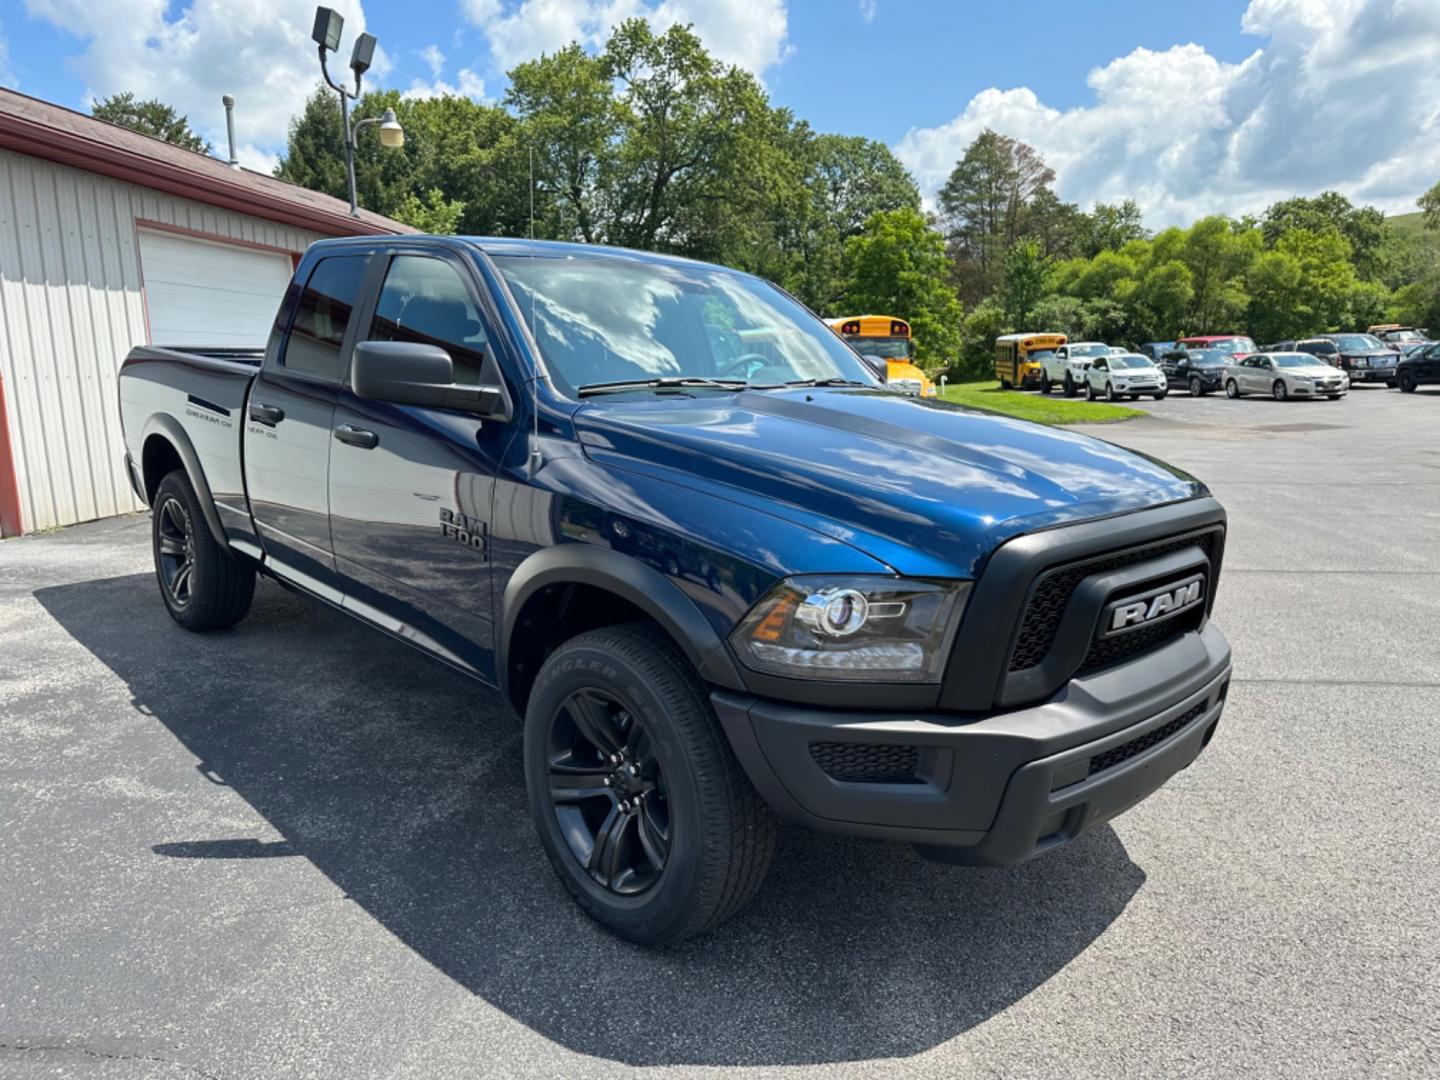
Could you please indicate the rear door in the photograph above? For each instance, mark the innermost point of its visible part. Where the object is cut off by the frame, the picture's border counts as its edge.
(288, 422)
(411, 487)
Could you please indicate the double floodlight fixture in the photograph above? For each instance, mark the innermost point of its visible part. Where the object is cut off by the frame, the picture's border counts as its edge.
(329, 25)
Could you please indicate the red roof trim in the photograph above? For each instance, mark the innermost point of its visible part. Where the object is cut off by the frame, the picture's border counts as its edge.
(36, 140)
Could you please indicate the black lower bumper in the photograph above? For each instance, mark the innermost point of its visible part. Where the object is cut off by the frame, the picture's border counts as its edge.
(993, 790)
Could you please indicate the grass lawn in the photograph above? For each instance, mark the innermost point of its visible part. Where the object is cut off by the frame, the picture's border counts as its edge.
(1053, 408)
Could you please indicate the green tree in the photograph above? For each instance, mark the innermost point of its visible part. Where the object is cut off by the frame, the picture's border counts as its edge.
(150, 117)
(1023, 286)
(1218, 253)
(1430, 204)
(433, 214)
(978, 331)
(1109, 227)
(897, 266)
(1363, 227)
(570, 117)
(984, 203)
(1165, 295)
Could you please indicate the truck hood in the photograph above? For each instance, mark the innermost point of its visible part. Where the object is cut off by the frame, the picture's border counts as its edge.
(925, 486)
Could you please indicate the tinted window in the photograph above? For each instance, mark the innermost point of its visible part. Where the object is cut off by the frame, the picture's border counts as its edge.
(323, 313)
(425, 301)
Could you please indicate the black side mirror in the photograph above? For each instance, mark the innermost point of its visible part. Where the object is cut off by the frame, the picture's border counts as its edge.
(411, 373)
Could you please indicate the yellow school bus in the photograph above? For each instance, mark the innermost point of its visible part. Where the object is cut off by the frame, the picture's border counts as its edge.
(1016, 359)
(887, 337)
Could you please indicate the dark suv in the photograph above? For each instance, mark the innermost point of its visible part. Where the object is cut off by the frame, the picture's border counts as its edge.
(1198, 370)
(1364, 357)
(1420, 368)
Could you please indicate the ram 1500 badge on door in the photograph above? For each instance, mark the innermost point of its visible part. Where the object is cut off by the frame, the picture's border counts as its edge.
(722, 575)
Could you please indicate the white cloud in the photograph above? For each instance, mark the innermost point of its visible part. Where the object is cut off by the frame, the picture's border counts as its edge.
(867, 10)
(752, 34)
(434, 59)
(1343, 95)
(260, 51)
(470, 85)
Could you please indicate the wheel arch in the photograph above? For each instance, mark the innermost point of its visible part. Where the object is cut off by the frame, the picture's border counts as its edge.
(554, 574)
(165, 444)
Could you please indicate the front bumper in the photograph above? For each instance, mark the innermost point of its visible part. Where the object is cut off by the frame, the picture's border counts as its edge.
(993, 790)
(1367, 374)
(1318, 390)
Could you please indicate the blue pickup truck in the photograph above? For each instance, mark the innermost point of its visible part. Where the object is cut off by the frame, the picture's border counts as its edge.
(722, 574)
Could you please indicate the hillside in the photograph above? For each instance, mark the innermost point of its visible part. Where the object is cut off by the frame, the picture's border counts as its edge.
(1406, 224)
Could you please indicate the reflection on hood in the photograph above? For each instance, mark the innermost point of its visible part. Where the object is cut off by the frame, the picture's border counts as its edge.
(927, 486)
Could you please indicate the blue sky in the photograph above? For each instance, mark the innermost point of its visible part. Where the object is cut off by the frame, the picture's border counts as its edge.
(1208, 106)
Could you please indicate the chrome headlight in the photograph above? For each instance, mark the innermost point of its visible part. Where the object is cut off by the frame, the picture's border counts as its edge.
(852, 627)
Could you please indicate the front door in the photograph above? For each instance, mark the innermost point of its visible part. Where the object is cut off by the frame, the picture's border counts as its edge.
(411, 487)
(288, 422)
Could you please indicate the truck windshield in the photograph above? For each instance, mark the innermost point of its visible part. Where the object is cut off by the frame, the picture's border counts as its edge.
(612, 320)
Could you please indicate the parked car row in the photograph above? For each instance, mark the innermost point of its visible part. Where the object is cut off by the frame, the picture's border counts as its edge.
(1324, 365)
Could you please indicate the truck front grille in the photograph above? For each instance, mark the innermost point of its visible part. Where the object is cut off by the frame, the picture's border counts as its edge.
(1052, 593)
(874, 763)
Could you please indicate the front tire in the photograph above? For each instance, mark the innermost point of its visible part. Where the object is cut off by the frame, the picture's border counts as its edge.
(1232, 389)
(1195, 386)
(1045, 386)
(642, 809)
(1070, 388)
(1279, 391)
(1161, 395)
(1110, 394)
(204, 586)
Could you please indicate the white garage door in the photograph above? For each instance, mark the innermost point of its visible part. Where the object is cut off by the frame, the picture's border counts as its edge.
(203, 293)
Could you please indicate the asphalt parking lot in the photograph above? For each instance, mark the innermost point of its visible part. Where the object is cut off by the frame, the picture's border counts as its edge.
(299, 849)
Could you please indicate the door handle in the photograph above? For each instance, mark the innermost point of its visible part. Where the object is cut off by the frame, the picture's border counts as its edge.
(266, 414)
(354, 436)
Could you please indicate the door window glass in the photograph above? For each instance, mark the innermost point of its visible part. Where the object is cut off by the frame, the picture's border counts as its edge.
(425, 301)
(322, 315)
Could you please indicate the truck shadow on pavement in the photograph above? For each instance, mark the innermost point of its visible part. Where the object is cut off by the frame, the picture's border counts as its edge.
(402, 782)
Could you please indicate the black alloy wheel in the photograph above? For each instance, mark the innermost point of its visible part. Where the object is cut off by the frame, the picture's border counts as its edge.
(608, 792)
(175, 552)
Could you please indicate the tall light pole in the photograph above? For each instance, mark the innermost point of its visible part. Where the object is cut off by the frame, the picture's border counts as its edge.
(328, 25)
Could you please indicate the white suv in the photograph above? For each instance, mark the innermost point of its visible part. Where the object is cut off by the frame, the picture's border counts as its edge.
(1067, 364)
(1130, 373)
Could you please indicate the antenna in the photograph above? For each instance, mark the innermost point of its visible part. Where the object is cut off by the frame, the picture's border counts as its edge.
(535, 460)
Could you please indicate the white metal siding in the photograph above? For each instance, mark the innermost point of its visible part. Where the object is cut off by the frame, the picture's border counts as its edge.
(70, 309)
(198, 292)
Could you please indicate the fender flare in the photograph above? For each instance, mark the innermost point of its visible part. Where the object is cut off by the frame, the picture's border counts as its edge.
(644, 586)
(162, 425)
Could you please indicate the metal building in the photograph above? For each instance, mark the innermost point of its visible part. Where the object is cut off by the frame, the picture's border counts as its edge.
(110, 239)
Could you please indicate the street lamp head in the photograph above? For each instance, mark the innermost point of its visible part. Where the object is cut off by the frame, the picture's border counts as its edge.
(328, 25)
(392, 135)
(362, 55)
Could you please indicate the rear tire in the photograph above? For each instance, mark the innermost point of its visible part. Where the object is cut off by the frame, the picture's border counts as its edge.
(204, 586)
(671, 847)
(1004, 384)
(1406, 382)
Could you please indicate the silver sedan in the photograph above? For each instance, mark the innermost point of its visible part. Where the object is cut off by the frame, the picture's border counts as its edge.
(1284, 375)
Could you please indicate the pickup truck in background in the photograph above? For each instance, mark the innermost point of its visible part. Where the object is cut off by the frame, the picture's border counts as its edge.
(721, 574)
(1067, 365)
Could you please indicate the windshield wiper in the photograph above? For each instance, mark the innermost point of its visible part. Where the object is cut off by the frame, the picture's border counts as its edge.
(832, 381)
(664, 382)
